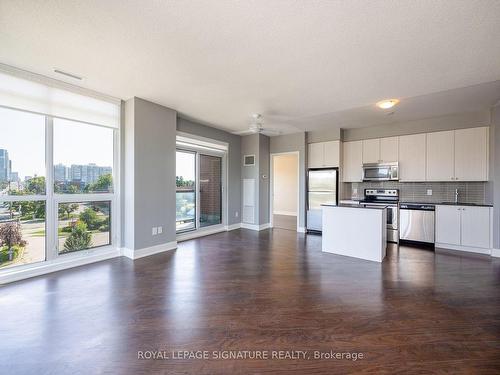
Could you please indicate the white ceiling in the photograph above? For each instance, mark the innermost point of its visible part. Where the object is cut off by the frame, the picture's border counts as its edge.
(303, 64)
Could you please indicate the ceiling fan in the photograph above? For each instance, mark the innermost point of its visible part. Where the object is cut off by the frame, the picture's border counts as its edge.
(256, 127)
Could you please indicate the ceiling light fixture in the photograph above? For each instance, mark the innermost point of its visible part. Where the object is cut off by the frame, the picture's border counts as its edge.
(71, 75)
(388, 103)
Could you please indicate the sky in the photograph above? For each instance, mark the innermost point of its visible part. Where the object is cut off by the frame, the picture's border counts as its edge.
(23, 136)
(185, 165)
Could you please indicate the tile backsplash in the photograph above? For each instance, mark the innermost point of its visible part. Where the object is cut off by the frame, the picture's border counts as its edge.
(469, 192)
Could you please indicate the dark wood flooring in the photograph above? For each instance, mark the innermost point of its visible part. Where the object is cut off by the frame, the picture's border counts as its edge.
(417, 312)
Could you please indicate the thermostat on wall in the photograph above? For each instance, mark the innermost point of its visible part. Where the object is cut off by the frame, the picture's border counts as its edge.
(248, 160)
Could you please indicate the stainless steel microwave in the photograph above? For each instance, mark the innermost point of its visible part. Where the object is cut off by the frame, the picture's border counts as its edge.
(381, 172)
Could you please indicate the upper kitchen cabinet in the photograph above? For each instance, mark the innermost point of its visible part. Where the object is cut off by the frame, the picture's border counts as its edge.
(458, 155)
(371, 150)
(352, 161)
(440, 161)
(412, 157)
(315, 155)
(389, 149)
(380, 150)
(331, 153)
(471, 154)
(323, 154)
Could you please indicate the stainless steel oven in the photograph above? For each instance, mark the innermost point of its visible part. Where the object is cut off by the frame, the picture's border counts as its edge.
(388, 198)
(381, 172)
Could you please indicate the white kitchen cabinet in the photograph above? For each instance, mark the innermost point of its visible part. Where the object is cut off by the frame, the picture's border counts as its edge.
(471, 154)
(412, 157)
(389, 149)
(475, 227)
(315, 155)
(352, 161)
(371, 150)
(380, 150)
(323, 154)
(331, 153)
(440, 160)
(448, 225)
(466, 228)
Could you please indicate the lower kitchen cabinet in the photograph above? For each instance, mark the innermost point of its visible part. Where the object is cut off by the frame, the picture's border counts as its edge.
(475, 227)
(448, 225)
(466, 228)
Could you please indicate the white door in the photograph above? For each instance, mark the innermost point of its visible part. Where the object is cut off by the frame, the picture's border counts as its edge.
(371, 150)
(315, 155)
(440, 156)
(475, 226)
(412, 157)
(353, 161)
(471, 154)
(331, 153)
(389, 149)
(448, 225)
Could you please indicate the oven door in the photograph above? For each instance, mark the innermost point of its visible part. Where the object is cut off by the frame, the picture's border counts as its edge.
(392, 217)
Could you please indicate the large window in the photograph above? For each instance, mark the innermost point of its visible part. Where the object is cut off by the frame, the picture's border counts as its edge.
(199, 180)
(83, 158)
(83, 225)
(57, 192)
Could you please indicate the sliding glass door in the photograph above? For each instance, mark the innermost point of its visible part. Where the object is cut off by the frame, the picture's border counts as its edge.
(210, 190)
(185, 194)
(199, 190)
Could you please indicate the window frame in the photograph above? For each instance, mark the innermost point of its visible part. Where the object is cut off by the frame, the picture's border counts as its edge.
(52, 200)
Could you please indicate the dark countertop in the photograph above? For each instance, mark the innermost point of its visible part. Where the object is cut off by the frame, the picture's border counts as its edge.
(366, 206)
(448, 204)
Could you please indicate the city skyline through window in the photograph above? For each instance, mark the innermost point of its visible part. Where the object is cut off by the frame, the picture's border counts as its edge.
(23, 138)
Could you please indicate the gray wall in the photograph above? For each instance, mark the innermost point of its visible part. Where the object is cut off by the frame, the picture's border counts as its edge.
(149, 173)
(495, 174)
(449, 122)
(233, 159)
(332, 134)
(288, 143)
(263, 179)
(250, 146)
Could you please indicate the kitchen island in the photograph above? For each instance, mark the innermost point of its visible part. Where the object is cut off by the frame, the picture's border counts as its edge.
(355, 230)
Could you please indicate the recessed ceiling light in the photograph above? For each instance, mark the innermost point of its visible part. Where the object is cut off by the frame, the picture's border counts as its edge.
(388, 103)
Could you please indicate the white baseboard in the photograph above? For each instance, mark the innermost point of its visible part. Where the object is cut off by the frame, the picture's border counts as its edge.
(285, 213)
(477, 250)
(140, 253)
(63, 262)
(301, 229)
(495, 253)
(255, 226)
(233, 226)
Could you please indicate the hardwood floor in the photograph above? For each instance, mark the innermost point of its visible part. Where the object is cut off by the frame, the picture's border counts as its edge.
(417, 312)
(288, 222)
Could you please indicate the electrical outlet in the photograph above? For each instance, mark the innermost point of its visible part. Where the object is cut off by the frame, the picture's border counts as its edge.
(236, 214)
(429, 191)
(355, 191)
(160, 230)
(155, 231)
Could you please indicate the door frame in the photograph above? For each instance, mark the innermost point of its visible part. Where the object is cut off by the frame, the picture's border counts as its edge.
(198, 230)
(271, 186)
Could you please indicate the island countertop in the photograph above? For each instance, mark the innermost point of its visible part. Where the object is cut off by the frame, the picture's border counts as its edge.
(367, 206)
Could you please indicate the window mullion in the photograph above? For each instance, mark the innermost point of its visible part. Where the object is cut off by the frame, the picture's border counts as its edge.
(50, 206)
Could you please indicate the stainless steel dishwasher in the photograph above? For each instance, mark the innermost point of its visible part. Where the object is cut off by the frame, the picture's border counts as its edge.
(416, 222)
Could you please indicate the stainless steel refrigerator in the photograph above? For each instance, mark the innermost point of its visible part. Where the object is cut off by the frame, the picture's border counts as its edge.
(322, 188)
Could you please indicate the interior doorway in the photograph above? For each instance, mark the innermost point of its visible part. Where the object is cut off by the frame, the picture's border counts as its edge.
(284, 207)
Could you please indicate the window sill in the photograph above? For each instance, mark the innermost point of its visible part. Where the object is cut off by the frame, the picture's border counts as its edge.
(61, 263)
